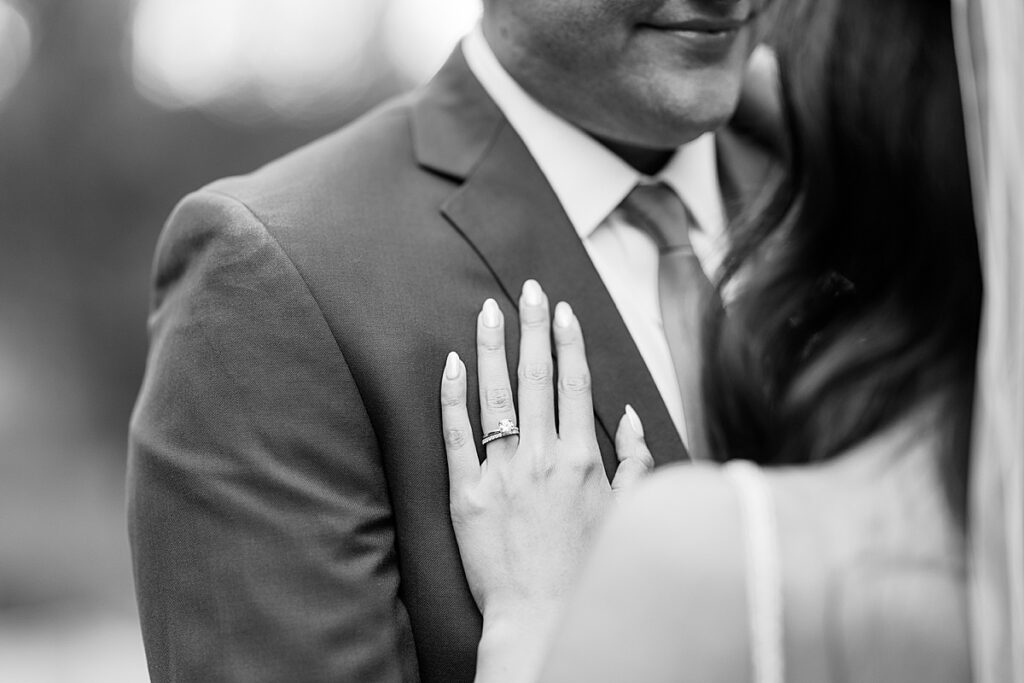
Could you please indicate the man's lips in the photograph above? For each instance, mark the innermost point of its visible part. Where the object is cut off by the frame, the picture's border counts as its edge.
(700, 25)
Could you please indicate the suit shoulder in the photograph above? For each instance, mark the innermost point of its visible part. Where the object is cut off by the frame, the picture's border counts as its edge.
(346, 192)
(369, 150)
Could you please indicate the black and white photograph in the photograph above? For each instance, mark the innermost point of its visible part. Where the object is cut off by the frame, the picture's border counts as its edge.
(512, 341)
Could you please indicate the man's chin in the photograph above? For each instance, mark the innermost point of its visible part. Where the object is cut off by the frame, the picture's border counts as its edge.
(670, 132)
(706, 113)
(667, 123)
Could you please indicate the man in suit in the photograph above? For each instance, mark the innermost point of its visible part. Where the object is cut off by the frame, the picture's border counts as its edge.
(288, 496)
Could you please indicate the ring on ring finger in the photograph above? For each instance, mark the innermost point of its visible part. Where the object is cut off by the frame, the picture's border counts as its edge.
(505, 428)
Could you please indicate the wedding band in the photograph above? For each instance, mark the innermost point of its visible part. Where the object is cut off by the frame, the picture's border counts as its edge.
(505, 428)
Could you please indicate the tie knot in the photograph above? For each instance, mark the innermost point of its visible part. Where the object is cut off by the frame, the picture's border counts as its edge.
(659, 211)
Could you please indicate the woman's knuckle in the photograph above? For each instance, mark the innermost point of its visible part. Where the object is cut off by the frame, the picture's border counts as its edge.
(455, 438)
(584, 463)
(540, 469)
(466, 505)
(533, 321)
(566, 339)
(499, 398)
(535, 373)
(575, 383)
(451, 398)
(491, 344)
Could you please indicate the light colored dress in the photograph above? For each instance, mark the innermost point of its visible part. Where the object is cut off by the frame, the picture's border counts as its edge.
(855, 568)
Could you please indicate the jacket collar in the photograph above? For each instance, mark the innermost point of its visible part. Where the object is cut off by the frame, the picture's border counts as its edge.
(454, 120)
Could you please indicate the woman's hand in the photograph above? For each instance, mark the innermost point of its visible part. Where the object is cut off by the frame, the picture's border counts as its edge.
(525, 516)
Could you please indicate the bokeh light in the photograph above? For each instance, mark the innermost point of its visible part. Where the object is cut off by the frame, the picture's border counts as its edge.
(286, 56)
(419, 34)
(291, 59)
(15, 46)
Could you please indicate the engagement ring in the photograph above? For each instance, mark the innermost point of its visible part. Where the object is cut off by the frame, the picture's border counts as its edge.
(505, 428)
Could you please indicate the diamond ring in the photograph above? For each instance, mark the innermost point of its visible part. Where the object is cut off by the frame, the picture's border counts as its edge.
(505, 428)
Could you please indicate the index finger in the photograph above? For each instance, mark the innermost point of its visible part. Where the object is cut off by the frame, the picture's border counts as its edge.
(463, 463)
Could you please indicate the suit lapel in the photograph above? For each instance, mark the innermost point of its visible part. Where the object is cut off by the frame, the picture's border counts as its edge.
(508, 212)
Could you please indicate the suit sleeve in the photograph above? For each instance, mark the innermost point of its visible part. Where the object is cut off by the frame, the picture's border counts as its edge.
(258, 512)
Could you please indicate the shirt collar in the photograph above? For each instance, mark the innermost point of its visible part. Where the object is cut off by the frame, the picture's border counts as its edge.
(589, 180)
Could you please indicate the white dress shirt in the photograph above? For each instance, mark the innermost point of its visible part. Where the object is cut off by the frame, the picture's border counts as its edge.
(590, 182)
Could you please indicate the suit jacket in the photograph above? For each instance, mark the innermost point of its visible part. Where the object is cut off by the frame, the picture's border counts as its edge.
(288, 493)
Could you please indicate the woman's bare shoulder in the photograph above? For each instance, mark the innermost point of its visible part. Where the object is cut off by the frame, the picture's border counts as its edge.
(663, 595)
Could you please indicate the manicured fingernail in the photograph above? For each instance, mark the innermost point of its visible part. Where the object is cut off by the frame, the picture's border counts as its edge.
(533, 295)
(492, 314)
(634, 421)
(563, 315)
(453, 366)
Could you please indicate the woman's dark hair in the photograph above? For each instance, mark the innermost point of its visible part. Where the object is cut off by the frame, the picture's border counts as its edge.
(860, 285)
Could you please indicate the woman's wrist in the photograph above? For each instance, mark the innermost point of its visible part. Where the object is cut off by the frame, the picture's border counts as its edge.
(514, 642)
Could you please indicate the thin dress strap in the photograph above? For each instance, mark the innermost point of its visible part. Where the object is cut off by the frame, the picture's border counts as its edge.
(763, 570)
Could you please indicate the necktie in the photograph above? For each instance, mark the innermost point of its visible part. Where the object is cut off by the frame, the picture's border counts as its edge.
(684, 292)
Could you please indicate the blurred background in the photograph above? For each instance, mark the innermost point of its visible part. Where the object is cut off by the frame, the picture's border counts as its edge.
(110, 111)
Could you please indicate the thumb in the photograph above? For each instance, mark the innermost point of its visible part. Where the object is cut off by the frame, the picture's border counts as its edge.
(635, 460)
